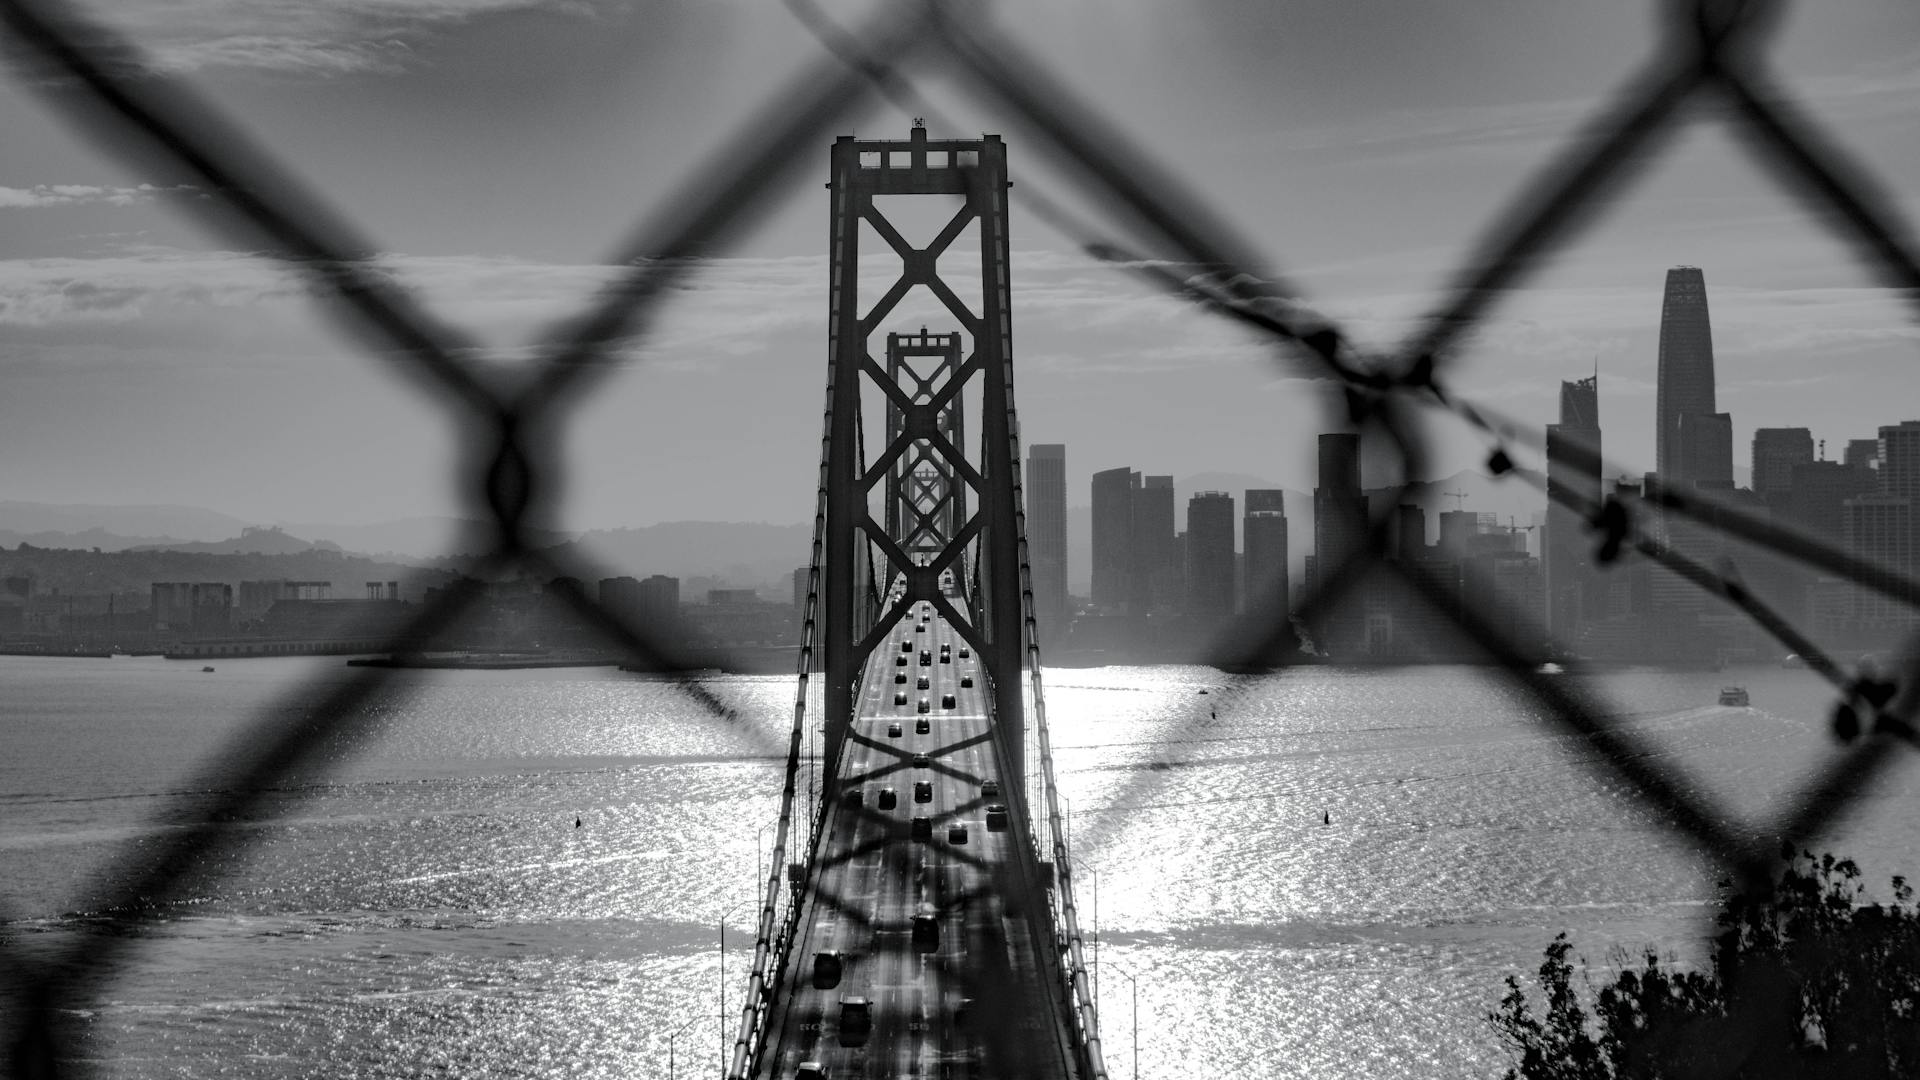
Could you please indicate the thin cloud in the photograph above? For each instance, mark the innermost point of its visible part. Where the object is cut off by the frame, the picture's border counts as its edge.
(45, 195)
(338, 37)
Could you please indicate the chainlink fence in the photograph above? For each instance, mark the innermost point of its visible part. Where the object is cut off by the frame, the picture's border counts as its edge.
(1152, 228)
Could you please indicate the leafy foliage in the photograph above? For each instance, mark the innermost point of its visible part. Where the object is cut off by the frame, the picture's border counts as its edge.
(1807, 981)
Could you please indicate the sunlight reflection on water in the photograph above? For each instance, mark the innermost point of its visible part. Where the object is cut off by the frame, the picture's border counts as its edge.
(429, 905)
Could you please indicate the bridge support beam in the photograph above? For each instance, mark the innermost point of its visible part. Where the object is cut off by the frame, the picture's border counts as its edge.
(875, 573)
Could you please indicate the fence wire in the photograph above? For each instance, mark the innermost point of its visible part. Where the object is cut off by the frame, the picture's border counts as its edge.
(1122, 208)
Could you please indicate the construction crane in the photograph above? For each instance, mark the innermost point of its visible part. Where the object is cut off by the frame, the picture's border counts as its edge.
(1460, 495)
(1513, 528)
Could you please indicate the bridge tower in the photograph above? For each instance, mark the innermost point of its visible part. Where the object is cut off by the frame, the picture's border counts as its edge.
(929, 502)
(945, 512)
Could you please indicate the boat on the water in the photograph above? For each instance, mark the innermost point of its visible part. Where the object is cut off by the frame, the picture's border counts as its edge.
(1733, 695)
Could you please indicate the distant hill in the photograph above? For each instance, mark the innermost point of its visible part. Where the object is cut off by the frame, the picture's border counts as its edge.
(85, 540)
(134, 524)
(419, 537)
(191, 528)
(251, 541)
(743, 553)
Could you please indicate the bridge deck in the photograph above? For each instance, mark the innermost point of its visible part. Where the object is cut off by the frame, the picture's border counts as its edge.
(978, 1005)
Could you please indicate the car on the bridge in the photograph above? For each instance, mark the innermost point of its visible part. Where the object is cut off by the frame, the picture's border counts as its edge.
(946, 701)
(922, 828)
(922, 761)
(893, 729)
(921, 726)
(997, 817)
(856, 1021)
(922, 791)
(906, 646)
(920, 627)
(956, 834)
(990, 789)
(926, 657)
(924, 706)
(926, 934)
(826, 969)
(899, 661)
(966, 682)
(962, 1013)
(899, 678)
(899, 697)
(854, 796)
(887, 799)
(965, 652)
(810, 1070)
(924, 683)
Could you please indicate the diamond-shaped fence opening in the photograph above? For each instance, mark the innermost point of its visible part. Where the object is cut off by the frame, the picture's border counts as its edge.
(1122, 208)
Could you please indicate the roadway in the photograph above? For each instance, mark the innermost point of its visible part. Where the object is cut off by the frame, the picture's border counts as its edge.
(955, 1010)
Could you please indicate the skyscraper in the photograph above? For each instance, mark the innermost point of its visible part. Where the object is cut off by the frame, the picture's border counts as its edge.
(1685, 380)
(1880, 528)
(1816, 502)
(1339, 531)
(1573, 472)
(1706, 450)
(1339, 505)
(1775, 452)
(1900, 460)
(1862, 454)
(1209, 554)
(1113, 536)
(1157, 566)
(1410, 533)
(1046, 497)
(1264, 536)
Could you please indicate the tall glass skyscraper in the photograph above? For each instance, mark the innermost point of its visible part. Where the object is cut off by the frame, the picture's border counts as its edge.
(1113, 499)
(1264, 537)
(1046, 494)
(1686, 369)
(1573, 471)
(1209, 553)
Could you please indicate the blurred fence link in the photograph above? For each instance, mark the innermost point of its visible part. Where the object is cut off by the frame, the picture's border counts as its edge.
(1123, 208)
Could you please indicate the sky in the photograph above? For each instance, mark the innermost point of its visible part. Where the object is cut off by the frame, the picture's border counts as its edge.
(496, 153)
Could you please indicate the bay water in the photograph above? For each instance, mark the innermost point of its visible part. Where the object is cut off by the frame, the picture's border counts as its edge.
(1321, 873)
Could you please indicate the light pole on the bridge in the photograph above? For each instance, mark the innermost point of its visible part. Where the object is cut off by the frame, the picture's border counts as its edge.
(674, 1035)
(813, 785)
(723, 980)
(1122, 972)
(1089, 868)
(760, 834)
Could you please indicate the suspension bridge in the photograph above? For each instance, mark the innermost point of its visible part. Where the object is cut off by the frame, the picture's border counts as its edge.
(919, 918)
